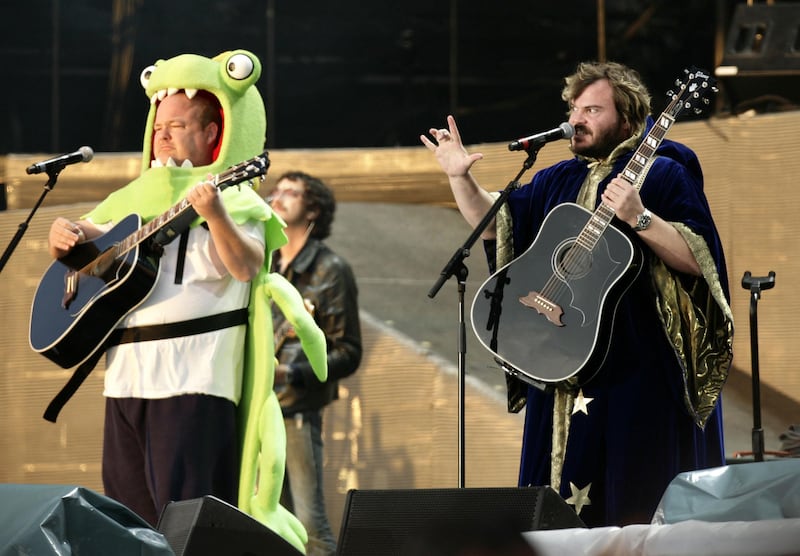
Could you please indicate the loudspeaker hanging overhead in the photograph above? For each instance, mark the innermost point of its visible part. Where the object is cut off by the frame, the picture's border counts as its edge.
(760, 67)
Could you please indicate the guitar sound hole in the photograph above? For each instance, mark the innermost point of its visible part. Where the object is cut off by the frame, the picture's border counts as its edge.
(571, 261)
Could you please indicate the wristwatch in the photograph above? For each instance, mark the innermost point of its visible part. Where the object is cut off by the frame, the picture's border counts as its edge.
(643, 221)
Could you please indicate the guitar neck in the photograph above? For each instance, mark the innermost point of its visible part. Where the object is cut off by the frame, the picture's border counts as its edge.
(232, 176)
(634, 173)
(153, 226)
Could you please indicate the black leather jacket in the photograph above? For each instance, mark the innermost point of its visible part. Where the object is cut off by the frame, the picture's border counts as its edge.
(326, 280)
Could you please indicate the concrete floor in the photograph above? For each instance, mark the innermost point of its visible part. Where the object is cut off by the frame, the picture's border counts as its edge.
(398, 252)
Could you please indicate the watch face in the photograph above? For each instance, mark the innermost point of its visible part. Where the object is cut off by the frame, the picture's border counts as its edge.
(643, 221)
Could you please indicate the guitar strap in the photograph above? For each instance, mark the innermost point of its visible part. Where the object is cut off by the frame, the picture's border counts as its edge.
(182, 253)
(181, 257)
(142, 334)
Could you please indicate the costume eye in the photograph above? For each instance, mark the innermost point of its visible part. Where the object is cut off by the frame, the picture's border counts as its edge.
(239, 66)
(144, 78)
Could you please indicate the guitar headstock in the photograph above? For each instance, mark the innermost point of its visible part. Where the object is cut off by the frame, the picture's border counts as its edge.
(694, 92)
(256, 167)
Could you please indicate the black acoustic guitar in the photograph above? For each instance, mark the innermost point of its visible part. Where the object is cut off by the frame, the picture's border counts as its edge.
(547, 316)
(82, 296)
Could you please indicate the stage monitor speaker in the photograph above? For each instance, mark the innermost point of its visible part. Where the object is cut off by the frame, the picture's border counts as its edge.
(761, 61)
(208, 526)
(389, 522)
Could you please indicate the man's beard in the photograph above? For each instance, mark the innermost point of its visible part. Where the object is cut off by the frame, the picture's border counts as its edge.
(604, 143)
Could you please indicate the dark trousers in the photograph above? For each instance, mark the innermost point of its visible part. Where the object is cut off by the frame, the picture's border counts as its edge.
(157, 451)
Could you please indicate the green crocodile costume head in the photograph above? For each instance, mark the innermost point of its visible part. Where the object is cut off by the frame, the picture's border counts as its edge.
(230, 78)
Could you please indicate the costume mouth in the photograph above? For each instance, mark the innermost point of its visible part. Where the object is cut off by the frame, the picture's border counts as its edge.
(161, 94)
(170, 163)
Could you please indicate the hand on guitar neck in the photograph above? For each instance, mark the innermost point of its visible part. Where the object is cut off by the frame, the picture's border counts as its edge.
(663, 238)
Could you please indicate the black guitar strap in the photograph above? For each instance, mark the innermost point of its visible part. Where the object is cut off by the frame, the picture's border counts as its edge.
(182, 253)
(181, 257)
(72, 385)
(142, 334)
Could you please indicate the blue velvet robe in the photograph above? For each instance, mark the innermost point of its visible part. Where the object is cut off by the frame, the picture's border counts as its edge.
(638, 433)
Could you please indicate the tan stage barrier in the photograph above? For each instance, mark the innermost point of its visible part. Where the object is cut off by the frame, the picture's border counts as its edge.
(395, 424)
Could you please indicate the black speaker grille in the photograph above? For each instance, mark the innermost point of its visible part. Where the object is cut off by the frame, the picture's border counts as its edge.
(210, 527)
(382, 521)
(176, 523)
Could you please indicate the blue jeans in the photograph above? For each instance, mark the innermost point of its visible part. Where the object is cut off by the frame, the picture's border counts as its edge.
(303, 492)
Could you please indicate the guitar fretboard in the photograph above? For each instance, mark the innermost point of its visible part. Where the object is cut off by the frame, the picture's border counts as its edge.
(647, 149)
(633, 173)
(152, 227)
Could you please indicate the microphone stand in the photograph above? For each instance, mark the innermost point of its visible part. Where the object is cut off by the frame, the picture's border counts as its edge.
(756, 285)
(52, 177)
(456, 267)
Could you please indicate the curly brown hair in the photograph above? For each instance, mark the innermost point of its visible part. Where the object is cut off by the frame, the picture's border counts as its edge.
(631, 97)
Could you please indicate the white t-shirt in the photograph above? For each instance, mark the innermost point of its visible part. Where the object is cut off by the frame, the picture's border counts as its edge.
(207, 363)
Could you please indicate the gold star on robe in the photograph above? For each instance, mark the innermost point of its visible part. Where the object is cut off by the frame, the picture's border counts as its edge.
(580, 497)
(581, 403)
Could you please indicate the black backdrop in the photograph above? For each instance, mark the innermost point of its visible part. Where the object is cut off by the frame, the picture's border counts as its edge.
(347, 73)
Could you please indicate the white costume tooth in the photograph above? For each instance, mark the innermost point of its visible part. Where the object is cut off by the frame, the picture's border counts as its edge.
(170, 163)
(153, 98)
(187, 164)
(156, 163)
(190, 93)
(172, 90)
(162, 94)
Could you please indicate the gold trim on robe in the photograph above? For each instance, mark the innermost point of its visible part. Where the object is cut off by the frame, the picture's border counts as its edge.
(699, 324)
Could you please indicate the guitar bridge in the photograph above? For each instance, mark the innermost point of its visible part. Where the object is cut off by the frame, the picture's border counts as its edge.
(551, 311)
(70, 288)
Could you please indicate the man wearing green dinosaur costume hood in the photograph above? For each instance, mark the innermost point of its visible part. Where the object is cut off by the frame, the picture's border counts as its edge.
(189, 401)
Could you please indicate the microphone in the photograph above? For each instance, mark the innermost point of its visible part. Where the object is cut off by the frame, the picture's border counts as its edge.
(564, 131)
(84, 154)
